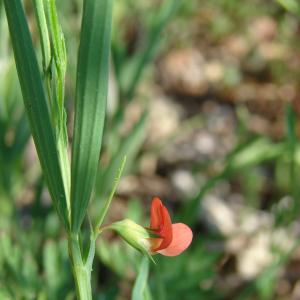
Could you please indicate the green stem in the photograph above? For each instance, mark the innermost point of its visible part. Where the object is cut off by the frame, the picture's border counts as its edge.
(81, 271)
(109, 199)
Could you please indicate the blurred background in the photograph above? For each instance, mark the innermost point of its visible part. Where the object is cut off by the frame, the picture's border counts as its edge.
(204, 100)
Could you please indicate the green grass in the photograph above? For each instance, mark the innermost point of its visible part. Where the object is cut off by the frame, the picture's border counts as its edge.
(81, 148)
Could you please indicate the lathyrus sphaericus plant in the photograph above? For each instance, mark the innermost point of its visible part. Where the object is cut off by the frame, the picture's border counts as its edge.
(71, 183)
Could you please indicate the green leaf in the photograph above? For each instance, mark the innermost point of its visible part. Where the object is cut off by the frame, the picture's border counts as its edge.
(291, 120)
(54, 67)
(1, 5)
(58, 69)
(255, 153)
(292, 6)
(51, 265)
(90, 106)
(36, 104)
(22, 135)
(140, 284)
(43, 31)
(56, 91)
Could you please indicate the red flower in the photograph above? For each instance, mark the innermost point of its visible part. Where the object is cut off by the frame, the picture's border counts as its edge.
(172, 239)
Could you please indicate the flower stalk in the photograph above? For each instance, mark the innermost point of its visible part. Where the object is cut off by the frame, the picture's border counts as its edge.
(81, 270)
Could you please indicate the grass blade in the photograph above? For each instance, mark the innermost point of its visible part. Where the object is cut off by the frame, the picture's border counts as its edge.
(36, 104)
(22, 135)
(43, 31)
(292, 6)
(90, 106)
(54, 67)
(141, 280)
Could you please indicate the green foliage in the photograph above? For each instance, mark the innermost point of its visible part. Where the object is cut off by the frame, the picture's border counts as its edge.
(140, 286)
(90, 104)
(14, 132)
(33, 247)
(54, 69)
(199, 277)
(291, 5)
(20, 263)
(36, 104)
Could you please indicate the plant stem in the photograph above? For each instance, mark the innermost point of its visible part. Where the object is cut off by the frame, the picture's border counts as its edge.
(81, 271)
(109, 199)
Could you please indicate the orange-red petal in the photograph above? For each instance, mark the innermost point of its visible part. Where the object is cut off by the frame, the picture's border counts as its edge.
(161, 223)
(182, 237)
(156, 218)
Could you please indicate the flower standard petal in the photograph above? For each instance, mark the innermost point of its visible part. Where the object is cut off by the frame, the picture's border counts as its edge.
(182, 237)
(156, 218)
(161, 224)
(166, 230)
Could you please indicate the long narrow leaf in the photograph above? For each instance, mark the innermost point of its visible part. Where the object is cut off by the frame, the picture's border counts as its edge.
(43, 31)
(90, 106)
(141, 281)
(54, 66)
(36, 103)
(22, 135)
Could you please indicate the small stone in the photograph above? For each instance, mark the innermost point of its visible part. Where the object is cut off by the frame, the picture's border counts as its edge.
(263, 29)
(183, 71)
(184, 182)
(205, 143)
(214, 71)
(164, 119)
(255, 257)
(219, 214)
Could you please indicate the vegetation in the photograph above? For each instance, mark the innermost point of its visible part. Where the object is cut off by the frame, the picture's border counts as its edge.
(106, 105)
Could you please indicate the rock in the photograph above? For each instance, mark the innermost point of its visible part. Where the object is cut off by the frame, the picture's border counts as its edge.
(237, 46)
(250, 234)
(273, 51)
(219, 215)
(184, 182)
(183, 71)
(263, 29)
(255, 257)
(164, 119)
(205, 143)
